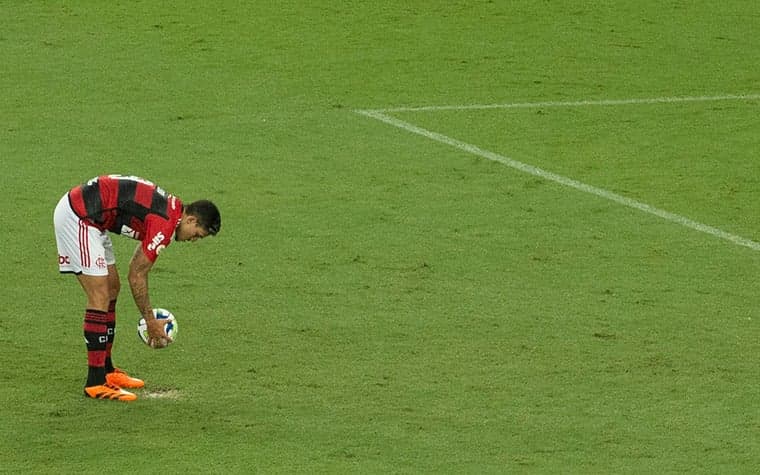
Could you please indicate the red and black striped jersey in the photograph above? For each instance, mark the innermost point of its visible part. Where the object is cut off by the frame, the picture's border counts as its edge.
(130, 206)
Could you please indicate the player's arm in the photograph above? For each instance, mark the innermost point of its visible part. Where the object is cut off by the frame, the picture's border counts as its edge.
(139, 267)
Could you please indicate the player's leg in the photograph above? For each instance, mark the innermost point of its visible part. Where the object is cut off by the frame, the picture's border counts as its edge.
(115, 375)
(114, 285)
(96, 330)
(95, 326)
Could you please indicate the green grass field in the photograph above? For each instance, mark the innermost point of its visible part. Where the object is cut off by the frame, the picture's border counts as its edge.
(380, 301)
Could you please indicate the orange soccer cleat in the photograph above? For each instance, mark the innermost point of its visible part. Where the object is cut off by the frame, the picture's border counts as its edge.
(121, 379)
(109, 391)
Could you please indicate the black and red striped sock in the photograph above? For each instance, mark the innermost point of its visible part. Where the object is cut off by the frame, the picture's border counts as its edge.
(96, 338)
(111, 330)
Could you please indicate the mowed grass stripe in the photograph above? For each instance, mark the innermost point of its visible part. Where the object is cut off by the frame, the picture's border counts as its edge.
(563, 180)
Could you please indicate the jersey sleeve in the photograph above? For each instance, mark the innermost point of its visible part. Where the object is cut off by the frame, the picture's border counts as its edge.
(158, 235)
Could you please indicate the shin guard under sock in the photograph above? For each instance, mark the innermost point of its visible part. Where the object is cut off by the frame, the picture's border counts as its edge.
(96, 338)
(111, 330)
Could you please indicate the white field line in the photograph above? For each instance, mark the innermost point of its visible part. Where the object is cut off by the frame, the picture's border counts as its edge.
(535, 171)
(602, 102)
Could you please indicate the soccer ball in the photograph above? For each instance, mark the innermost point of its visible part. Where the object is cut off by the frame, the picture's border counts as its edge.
(170, 327)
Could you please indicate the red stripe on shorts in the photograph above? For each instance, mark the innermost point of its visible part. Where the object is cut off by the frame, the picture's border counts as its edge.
(84, 244)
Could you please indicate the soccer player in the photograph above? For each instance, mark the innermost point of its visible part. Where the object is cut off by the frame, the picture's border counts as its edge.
(139, 209)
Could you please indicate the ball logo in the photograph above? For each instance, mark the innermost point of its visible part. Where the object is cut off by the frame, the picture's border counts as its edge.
(156, 242)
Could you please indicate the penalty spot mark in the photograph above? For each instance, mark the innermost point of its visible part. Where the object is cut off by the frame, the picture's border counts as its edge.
(161, 394)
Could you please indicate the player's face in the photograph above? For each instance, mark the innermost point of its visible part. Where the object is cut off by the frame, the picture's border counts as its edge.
(190, 230)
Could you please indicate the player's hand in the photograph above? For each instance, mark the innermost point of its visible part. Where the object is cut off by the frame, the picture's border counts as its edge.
(157, 337)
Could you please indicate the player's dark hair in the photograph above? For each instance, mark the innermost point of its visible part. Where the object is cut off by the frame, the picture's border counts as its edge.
(207, 214)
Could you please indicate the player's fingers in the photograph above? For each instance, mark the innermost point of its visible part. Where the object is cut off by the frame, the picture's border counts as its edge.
(159, 342)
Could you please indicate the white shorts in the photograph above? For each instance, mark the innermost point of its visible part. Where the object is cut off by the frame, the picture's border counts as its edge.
(82, 248)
